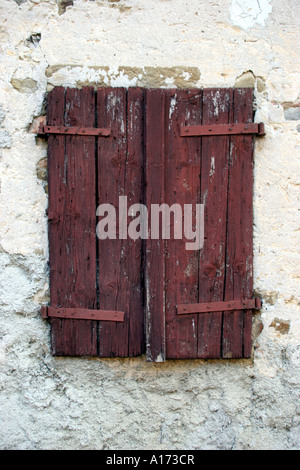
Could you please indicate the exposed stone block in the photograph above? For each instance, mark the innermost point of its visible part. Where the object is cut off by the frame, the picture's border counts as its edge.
(246, 80)
(63, 4)
(261, 84)
(26, 85)
(282, 326)
(41, 169)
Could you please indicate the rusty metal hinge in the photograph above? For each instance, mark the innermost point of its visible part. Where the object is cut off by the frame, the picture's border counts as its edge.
(81, 314)
(80, 131)
(223, 129)
(206, 307)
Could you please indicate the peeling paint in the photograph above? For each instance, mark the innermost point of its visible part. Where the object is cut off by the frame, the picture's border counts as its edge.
(160, 358)
(173, 103)
(246, 14)
(212, 166)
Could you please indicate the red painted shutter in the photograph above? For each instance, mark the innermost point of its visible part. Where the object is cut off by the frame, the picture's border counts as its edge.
(85, 171)
(143, 152)
(216, 171)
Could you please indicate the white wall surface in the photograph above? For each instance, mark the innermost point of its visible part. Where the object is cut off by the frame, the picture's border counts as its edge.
(50, 403)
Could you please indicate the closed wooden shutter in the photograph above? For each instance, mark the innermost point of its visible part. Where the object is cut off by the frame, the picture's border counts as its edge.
(121, 297)
(84, 172)
(216, 171)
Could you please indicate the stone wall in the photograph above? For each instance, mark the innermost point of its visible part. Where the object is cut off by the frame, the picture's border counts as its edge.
(50, 403)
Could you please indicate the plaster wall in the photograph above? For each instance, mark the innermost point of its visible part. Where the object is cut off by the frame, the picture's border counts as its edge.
(50, 403)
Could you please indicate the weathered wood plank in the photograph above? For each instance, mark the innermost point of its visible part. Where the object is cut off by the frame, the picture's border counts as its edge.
(111, 113)
(72, 221)
(56, 189)
(214, 177)
(132, 280)
(239, 250)
(182, 186)
(154, 252)
(120, 171)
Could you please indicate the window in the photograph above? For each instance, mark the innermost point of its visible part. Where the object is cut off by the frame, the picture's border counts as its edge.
(120, 295)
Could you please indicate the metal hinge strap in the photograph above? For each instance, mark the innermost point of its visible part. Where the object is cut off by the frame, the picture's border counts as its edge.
(223, 129)
(81, 314)
(250, 304)
(80, 131)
